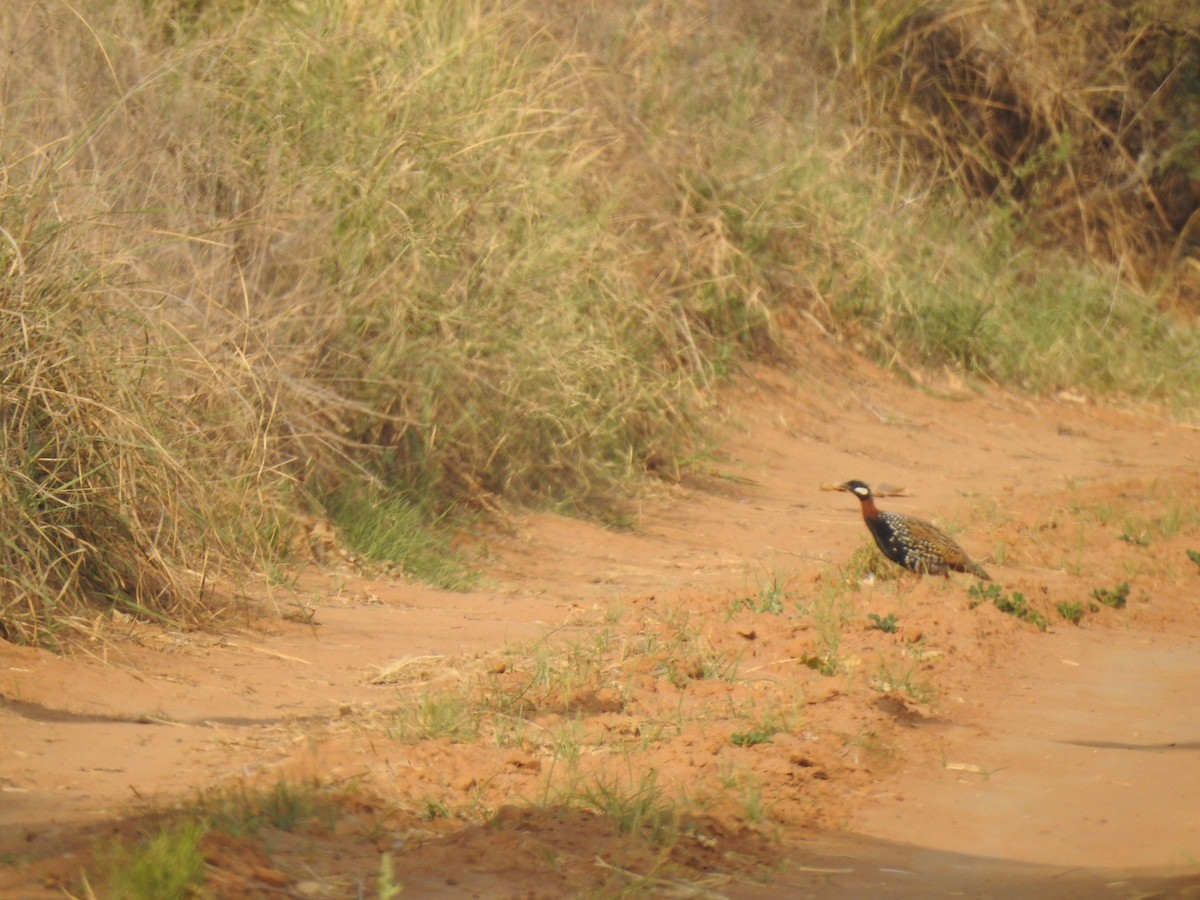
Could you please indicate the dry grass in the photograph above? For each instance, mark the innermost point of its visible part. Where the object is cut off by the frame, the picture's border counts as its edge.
(383, 264)
(1078, 119)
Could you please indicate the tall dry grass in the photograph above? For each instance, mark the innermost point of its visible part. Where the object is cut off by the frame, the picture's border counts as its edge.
(1081, 120)
(383, 263)
(267, 262)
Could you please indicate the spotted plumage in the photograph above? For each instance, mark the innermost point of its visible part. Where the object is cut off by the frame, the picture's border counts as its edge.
(912, 543)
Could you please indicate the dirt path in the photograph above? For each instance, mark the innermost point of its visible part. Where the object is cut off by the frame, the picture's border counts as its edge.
(1047, 763)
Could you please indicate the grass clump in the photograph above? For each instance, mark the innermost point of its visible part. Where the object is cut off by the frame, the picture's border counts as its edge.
(1078, 123)
(1115, 598)
(166, 856)
(387, 528)
(868, 564)
(446, 714)
(636, 806)
(245, 810)
(888, 624)
(1002, 142)
(1072, 612)
(169, 865)
(760, 735)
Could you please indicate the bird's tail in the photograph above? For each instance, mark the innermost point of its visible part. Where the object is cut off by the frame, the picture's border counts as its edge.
(977, 570)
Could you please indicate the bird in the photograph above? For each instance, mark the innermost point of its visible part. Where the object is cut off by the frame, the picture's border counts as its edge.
(911, 542)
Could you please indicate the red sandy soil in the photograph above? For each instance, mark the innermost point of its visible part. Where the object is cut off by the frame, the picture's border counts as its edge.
(717, 662)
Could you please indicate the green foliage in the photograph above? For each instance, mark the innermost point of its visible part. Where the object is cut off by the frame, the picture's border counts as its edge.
(1194, 556)
(889, 680)
(167, 866)
(1072, 612)
(761, 735)
(1013, 604)
(1138, 539)
(888, 624)
(390, 529)
(773, 592)
(1115, 598)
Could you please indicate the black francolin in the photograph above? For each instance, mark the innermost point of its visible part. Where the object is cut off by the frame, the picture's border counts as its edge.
(913, 543)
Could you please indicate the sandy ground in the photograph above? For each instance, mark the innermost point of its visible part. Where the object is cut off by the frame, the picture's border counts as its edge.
(701, 706)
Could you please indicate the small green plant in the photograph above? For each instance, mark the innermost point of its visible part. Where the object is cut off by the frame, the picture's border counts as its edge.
(769, 598)
(748, 788)
(435, 809)
(760, 735)
(889, 681)
(826, 663)
(888, 624)
(772, 592)
(1116, 598)
(169, 865)
(1194, 556)
(828, 612)
(1013, 604)
(753, 807)
(1138, 540)
(1072, 612)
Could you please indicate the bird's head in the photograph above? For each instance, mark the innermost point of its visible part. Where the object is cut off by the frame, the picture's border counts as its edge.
(857, 488)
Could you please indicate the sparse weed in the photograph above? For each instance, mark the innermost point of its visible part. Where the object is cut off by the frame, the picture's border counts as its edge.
(773, 592)
(1139, 538)
(888, 624)
(246, 809)
(434, 810)
(638, 805)
(753, 806)
(888, 681)
(1115, 598)
(748, 790)
(1013, 604)
(445, 714)
(684, 653)
(829, 612)
(759, 735)
(1194, 556)
(777, 717)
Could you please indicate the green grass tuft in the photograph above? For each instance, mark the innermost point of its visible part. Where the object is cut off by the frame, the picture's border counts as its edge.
(390, 529)
(168, 866)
